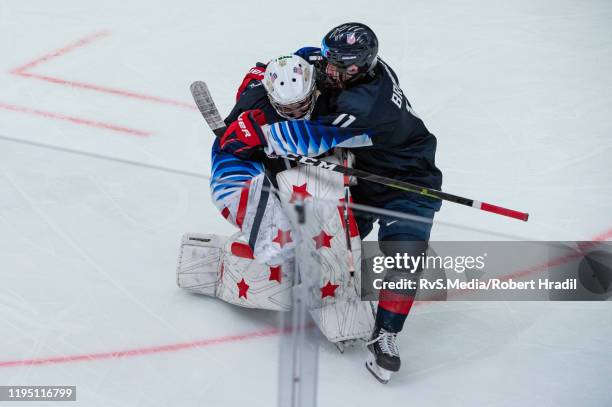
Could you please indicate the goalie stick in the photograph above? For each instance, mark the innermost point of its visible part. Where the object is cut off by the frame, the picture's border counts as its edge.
(206, 105)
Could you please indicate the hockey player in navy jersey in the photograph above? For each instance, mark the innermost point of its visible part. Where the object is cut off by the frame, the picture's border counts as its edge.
(371, 116)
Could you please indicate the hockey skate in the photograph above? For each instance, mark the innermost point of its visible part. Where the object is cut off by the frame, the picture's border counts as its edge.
(383, 357)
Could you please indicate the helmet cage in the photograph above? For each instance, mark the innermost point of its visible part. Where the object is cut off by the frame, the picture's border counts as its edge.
(298, 109)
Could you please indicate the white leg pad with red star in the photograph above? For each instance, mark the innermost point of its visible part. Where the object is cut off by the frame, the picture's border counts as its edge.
(249, 283)
(224, 267)
(338, 310)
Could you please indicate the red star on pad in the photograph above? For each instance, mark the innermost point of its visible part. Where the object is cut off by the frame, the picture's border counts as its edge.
(283, 237)
(299, 192)
(322, 240)
(275, 274)
(243, 287)
(329, 290)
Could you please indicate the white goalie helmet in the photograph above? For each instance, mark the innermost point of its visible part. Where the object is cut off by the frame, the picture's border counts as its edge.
(290, 83)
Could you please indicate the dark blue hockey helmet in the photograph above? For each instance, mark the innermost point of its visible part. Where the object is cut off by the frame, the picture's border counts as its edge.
(350, 51)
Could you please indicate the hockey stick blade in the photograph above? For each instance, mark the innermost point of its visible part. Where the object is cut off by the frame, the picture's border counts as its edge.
(206, 106)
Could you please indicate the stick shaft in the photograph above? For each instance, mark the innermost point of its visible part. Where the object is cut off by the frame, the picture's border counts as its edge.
(206, 105)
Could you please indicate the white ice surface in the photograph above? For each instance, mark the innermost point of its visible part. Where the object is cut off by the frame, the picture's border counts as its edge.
(517, 92)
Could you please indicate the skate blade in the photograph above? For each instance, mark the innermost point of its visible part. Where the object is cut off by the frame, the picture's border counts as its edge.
(382, 375)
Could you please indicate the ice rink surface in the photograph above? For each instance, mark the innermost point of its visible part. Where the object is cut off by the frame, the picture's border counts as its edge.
(517, 92)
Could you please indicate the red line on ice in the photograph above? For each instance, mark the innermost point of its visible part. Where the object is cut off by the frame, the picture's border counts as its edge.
(207, 342)
(142, 351)
(559, 260)
(59, 52)
(23, 71)
(76, 120)
(603, 236)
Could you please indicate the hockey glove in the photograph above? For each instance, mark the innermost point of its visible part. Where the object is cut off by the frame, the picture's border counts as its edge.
(244, 137)
(256, 73)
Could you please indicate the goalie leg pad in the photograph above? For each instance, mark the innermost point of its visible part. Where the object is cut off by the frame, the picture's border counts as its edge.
(224, 267)
(199, 263)
(338, 310)
(248, 283)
